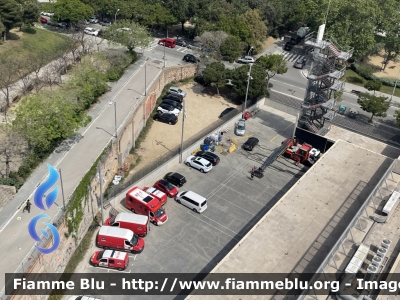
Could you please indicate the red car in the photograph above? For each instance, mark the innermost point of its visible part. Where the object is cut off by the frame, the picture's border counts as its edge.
(166, 187)
(43, 20)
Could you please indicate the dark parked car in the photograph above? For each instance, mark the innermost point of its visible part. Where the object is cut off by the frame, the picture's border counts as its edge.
(175, 178)
(173, 103)
(295, 40)
(181, 43)
(105, 23)
(166, 118)
(173, 97)
(211, 157)
(226, 111)
(250, 143)
(190, 58)
(288, 46)
(300, 63)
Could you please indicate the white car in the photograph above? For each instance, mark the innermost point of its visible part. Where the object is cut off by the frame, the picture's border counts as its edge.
(198, 163)
(247, 60)
(91, 31)
(241, 127)
(46, 14)
(176, 91)
(93, 20)
(168, 109)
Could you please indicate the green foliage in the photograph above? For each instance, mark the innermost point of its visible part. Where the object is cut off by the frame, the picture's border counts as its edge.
(10, 14)
(148, 14)
(258, 29)
(397, 116)
(214, 73)
(376, 105)
(11, 182)
(273, 64)
(388, 81)
(258, 83)
(70, 10)
(30, 14)
(365, 70)
(46, 118)
(231, 48)
(129, 34)
(373, 85)
(391, 46)
(235, 26)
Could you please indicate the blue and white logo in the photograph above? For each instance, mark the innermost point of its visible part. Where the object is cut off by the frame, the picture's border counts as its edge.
(50, 199)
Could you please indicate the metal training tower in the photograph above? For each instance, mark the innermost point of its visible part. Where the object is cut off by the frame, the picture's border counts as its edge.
(328, 66)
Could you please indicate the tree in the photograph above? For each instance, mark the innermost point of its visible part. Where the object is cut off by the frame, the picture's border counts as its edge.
(129, 34)
(46, 118)
(215, 73)
(10, 14)
(273, 64)
(397, 116)
(231, 48)
(70, 10)
(257, 86)
(391, 47)
(376, 105)
(8, 75)
(235, 26)
(30, 14)
(258, 29)
(11, 147)
(373, 85)
(211, 42)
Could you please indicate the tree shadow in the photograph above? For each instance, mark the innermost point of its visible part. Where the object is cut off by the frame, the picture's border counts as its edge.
(354, 79)
(11, 36)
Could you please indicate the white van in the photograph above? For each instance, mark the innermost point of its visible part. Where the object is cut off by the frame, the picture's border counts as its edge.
(192, 200)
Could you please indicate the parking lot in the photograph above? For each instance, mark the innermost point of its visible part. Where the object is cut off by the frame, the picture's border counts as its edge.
(193, 243)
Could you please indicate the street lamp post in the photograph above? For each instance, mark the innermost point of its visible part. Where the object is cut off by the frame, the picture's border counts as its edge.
(62, 189)
(115, 117)
(247, 89)
(115, 17)
(145, 76)
(183, 129)
(101, 192)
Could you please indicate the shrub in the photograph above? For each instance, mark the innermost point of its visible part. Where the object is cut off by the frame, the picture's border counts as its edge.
(388, 81)
(275, 34)
(11, 182)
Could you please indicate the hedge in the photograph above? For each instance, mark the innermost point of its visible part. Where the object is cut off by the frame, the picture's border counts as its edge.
(366, 72)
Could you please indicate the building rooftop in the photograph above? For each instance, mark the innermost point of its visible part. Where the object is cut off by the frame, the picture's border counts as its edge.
(299, 231)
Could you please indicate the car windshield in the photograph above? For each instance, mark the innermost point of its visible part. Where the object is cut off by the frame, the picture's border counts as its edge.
(100, 255)
(112, 220)
(168, 186)
(159, 213)
(208, 165)
(179, 90)
(241, 127)
(204, 203)
(135, 240)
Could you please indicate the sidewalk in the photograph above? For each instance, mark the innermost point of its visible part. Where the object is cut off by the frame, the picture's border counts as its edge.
(73, 162)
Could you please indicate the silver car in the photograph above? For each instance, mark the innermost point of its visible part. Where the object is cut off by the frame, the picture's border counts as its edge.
(241, 127)
(247, 60)
(176, 91)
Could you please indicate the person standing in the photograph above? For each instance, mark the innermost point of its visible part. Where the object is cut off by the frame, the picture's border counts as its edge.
(27, 207)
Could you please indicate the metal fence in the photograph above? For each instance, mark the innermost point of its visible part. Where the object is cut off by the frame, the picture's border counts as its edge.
(117, 189)
(319, 273)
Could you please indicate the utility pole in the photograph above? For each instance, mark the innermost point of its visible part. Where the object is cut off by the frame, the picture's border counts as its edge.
(101, 192)
(62, 188)
(247, 89)
(183, 129)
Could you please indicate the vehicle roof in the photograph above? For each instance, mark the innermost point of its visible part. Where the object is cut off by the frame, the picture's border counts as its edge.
(242, 121)
(207, 153)
(252, 139)
(114, 254)
(175, 174)
(248, 57)
(132, 218)
(174, 88)
(168, 39)
(155, 192)
(202, 160)
(169, 115)
(115, 231)
(140, 195)
(194, 196)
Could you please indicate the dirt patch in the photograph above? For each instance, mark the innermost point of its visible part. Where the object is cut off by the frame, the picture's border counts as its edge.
(392, 69)
(203, 108)
(268, 42)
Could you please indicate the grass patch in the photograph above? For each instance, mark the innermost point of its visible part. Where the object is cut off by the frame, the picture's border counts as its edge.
(33, 41)
(354, 78)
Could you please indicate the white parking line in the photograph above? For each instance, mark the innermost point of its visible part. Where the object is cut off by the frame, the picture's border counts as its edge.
(109, 269)
(232, 237)
(234, 204)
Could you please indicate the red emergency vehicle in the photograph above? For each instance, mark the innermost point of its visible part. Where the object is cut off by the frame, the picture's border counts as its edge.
(167, 42)
(110, 259)
(138, 201)
(119, 238)
(162, 197)
(139, 224)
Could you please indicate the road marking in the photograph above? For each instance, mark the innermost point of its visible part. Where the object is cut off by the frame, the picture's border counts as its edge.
(279, 133)
(232, 237)
(287, 85)
(101, 268)
(234, 204)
